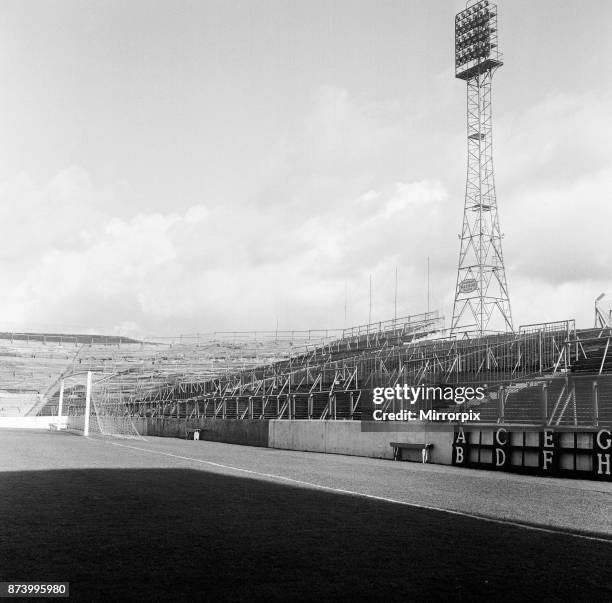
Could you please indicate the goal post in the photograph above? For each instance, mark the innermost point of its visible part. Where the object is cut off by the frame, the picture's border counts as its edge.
(60, 405)
(87, 405)
(96, 407)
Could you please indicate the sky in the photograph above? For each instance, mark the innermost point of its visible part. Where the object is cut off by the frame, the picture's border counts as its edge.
(183, 166)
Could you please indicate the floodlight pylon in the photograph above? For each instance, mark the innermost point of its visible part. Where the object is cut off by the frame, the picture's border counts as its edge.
(482, 301)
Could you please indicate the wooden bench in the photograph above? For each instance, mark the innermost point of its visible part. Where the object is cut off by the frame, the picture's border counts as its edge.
(398, 446)
(192, 434)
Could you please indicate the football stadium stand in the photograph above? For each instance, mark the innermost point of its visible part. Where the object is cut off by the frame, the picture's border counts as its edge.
(549, 373)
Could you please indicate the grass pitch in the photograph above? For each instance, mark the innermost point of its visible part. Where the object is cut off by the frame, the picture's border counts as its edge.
(121, 525)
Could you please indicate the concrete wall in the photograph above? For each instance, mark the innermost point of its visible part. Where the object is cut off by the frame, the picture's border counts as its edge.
(231, 431)
(332, 437)
(347, 437)
(30, 422)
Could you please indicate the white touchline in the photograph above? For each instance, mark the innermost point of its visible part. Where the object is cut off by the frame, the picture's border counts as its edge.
(507, 522)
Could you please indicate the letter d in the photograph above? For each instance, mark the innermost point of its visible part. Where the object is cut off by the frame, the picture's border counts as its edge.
(500, 457)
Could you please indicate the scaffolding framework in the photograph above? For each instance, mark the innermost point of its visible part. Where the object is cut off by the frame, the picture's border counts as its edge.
(542, 372)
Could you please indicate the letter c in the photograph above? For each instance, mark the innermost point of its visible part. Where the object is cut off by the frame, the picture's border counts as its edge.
(498, 439)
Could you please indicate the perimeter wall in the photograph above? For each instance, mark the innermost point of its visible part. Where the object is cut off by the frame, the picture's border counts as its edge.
(556, 451)
(559, 451)
(332, 437)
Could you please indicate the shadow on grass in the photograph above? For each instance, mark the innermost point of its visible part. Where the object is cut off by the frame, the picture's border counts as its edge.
(170, 534)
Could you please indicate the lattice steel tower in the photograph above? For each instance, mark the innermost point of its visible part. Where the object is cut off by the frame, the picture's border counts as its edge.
(482, 303)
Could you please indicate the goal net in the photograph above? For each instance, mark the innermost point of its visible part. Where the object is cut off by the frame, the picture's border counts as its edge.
(97, 407)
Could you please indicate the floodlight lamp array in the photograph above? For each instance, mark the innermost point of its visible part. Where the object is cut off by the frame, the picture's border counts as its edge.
(476, 38)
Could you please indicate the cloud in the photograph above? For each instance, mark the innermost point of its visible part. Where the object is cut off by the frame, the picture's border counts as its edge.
(204, 269)
(341, 130)
(56, 213)
(560, 233)
(341, 148)
(561, 138)
(554, 180)
(337, 203)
